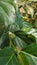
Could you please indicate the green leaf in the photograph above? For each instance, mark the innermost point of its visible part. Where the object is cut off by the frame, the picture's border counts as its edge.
(8, 57)
(7, 13)
(9, 1)
(19, 42)
(27, 59)
(27, 38)
(31, 49)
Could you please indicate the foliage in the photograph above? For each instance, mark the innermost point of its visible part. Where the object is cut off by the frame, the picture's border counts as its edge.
(28, 11)
(18, 38)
